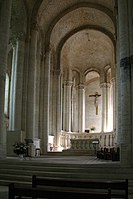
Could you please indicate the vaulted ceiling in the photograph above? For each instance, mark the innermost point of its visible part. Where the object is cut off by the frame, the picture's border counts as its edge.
(83, 32)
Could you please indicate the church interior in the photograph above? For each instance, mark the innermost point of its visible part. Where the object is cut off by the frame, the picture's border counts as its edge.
(66, 86)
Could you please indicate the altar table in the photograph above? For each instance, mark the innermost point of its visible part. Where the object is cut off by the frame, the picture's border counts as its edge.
(83, 144)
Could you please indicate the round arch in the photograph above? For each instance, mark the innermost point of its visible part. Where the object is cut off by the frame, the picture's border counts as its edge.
(92, 27)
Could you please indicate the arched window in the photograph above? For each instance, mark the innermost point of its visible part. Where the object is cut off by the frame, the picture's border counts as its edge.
(6, 94)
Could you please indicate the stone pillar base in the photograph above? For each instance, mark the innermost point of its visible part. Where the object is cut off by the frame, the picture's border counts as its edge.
(2, 152)
(126, 155)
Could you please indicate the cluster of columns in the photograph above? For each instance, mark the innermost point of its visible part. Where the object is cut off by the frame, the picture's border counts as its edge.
(33, 86)
(108, 106)
(124, 83)
(16, 89)
(5, 15)
(125, 80)
(73, 107)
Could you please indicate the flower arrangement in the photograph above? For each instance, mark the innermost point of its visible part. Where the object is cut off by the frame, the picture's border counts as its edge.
(92, 128)
(20, 148)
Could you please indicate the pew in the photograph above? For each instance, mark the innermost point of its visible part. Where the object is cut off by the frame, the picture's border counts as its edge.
(118, 188)
(51, 192)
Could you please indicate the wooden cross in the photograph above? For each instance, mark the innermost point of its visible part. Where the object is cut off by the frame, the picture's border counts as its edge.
(96, 101)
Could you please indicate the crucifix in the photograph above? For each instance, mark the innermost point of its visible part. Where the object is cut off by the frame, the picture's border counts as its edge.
(96, 101)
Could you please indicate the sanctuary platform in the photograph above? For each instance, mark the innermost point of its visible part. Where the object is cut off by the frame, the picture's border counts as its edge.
(83, 146)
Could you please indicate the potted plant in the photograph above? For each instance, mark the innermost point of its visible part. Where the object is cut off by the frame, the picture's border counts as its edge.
(92, 129)
(20, 149)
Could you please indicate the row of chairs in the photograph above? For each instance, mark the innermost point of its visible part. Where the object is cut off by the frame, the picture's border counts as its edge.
(53, 188)
(109, 154)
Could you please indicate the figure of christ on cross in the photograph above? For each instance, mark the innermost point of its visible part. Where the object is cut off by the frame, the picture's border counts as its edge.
(96, 101)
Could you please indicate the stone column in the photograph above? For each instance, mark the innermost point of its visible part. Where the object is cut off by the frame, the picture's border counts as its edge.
(56, 105)
(114, 103)
(15, 114)
(81, 107)
(108, 107)
(130, 8)
(11, 108)
(46, 103)
(74, 110)
(5, 14)
(125, 35)
(41, 100)
(32, 92)
(64, 105)
(68, 106)
(104, 107)
(53, 102)
(59, 106)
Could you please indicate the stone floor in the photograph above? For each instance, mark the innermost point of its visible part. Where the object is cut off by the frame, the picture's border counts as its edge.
(58, 159)
(66, 159)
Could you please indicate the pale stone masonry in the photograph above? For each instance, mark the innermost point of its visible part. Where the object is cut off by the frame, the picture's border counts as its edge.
(57, 55)
(126, 96)
(5, 14)
(17, 85)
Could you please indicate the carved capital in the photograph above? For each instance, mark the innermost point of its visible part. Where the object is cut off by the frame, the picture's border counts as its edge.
(68, 83)
(56, 72)
(126, 61)
(34, 26)
(112, 80)
(17, 36)
(12, 41)
(20, 36)
(103, 85)
(108, 85)
(81, 86)
(64, 82)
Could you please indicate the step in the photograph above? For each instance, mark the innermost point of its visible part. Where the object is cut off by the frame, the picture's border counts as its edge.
(18, 171)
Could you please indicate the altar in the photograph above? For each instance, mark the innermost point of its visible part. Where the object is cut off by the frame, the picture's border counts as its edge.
(89, 146)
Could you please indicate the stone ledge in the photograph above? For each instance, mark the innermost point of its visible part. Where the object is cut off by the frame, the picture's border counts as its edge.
(79, 152)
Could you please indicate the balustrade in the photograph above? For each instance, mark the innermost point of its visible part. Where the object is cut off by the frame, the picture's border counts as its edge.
(105, 139)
